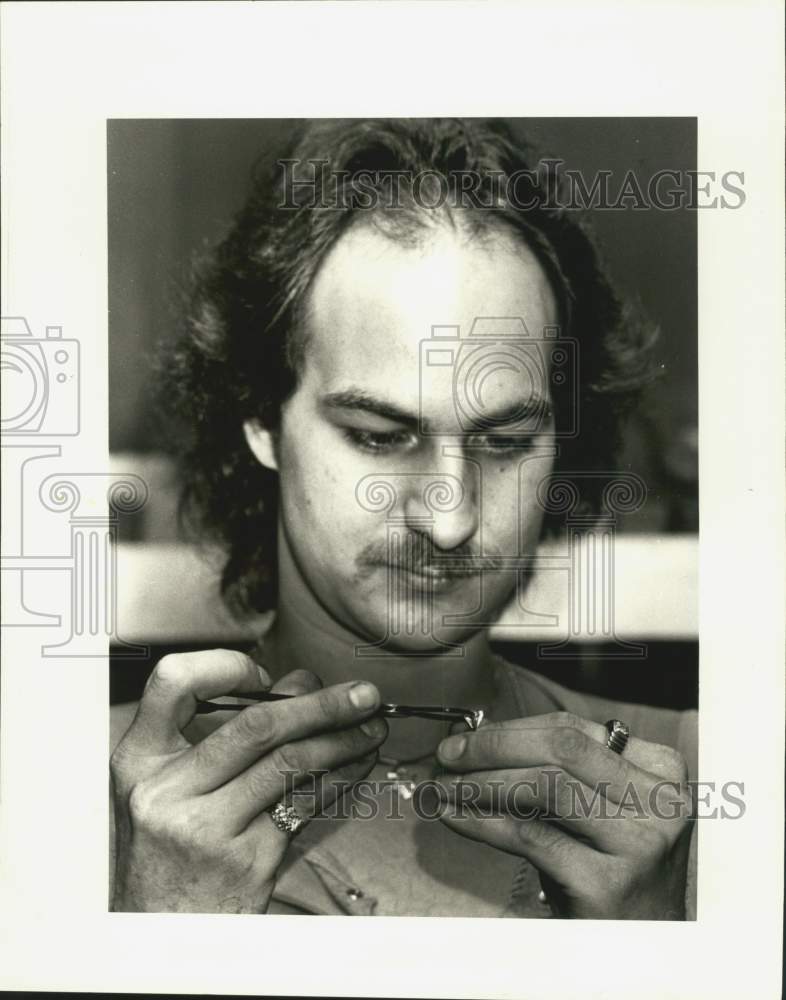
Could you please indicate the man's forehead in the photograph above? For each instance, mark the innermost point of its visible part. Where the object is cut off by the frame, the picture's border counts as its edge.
(374, 305)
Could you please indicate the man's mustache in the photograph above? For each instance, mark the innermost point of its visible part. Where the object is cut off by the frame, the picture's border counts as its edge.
(416, 553)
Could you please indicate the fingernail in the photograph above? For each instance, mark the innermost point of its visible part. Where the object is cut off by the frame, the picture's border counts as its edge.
(363, 695)
(373, 728)
(453, 747)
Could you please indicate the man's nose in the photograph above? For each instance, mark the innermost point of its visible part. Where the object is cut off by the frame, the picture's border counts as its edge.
(446, 503)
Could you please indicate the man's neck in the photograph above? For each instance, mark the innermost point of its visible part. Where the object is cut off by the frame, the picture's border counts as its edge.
(306, 636)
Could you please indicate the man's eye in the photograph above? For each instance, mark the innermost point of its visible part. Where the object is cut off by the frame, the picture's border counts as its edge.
(377, 442)
(499, 444)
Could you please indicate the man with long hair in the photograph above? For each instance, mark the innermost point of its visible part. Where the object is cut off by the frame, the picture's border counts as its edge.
(402, 342)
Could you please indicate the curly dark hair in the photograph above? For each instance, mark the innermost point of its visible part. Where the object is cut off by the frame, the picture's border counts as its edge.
(240, 352)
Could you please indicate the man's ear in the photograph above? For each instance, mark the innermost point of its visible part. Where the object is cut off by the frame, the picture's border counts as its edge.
(262, 443)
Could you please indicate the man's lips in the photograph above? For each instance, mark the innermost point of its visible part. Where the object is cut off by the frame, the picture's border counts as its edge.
(440, 571)
(433, 576)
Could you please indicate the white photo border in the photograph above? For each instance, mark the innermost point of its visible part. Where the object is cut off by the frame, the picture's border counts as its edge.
(67, 68)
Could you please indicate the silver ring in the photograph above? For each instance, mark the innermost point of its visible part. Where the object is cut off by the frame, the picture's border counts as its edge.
(286, 819)
(619, 734)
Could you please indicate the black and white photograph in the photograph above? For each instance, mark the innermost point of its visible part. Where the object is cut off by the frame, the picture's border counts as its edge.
(405, 384)
(393, 491)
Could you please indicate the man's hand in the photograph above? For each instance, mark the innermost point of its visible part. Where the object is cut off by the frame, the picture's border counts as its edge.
(623, 857)
(193, 831)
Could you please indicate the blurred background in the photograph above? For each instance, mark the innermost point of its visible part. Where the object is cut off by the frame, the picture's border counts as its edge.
(173, 188)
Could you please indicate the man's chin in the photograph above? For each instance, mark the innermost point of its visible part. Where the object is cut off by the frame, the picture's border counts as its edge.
(420, 639)
(425, 625)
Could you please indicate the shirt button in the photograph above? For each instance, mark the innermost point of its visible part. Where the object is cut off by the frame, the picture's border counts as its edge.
(354, 894)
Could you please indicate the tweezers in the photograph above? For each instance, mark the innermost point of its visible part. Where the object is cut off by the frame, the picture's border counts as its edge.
(471, 716)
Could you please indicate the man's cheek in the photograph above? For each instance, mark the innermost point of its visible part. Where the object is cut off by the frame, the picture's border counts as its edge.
(502, 520)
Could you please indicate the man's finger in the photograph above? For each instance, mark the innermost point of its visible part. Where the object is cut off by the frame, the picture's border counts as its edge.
(568, 742)
(527, 794)
(297, 682)
(545, 846)
(317, 801)
(176, 684)
(259, 729)
(294, 683)
(299, 764)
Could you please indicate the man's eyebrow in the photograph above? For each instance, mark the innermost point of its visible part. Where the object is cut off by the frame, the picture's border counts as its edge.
(356, 399)
(512, 413)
